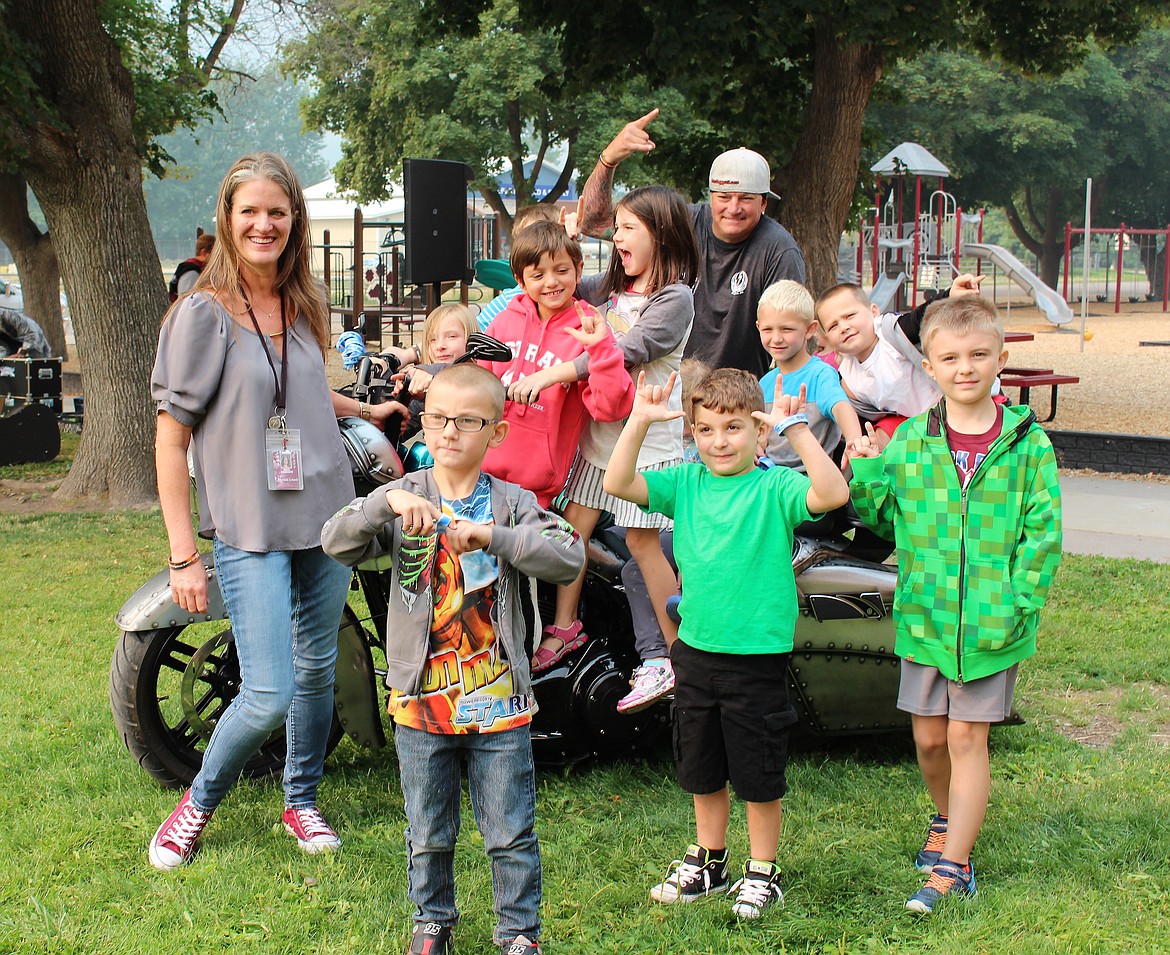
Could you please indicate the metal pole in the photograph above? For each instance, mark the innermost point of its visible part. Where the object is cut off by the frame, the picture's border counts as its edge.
(1067, 255)
(1166, 273)
(1085, 266)
(1120, 266)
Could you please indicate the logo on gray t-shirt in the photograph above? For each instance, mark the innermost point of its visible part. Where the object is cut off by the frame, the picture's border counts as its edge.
(739, 283)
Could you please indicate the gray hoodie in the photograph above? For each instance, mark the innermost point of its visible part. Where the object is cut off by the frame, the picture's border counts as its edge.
(526, 540)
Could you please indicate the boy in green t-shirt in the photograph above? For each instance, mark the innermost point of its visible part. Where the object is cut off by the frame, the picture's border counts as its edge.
(732, 529)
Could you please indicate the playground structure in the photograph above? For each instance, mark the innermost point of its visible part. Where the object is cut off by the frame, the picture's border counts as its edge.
(365, 276)
(909, 255)
(1119, 245)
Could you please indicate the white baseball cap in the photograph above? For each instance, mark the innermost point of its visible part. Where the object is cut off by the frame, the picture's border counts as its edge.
(741, 170)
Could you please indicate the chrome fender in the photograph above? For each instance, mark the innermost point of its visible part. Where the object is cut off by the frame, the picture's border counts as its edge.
(355, 685)
(151, 606)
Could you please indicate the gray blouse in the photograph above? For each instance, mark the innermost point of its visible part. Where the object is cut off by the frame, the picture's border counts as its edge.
(211, 375)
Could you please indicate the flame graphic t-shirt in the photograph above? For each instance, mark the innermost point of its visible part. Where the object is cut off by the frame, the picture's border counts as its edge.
(467, 682)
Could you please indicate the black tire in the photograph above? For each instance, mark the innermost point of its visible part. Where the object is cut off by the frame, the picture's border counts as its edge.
(168, 687)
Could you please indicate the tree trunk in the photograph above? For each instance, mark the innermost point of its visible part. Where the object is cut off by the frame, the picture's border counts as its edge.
(36, 261)
(819, 180)
(1048, 245)
(85, 170)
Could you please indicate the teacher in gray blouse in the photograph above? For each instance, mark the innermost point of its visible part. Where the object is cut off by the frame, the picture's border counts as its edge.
(240, 378)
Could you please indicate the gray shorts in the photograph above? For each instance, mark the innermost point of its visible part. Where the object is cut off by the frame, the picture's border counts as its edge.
(924, 691)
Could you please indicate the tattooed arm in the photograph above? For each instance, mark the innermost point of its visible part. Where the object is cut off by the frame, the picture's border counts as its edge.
(595, 212)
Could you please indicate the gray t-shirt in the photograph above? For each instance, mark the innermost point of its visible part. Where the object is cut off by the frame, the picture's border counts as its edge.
(211, 375)
(731, 280)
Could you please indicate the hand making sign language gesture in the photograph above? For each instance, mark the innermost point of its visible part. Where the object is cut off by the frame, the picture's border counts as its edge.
(869, 445)
(593, 331)
(787, 410)
(652, 402)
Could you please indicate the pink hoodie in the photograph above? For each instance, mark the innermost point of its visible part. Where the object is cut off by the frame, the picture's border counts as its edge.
(543, 438)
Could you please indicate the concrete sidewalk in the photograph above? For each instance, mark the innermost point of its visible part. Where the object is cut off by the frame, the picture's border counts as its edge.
(1116, 518)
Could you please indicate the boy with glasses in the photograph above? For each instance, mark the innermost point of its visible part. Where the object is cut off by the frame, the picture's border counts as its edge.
(455, 542)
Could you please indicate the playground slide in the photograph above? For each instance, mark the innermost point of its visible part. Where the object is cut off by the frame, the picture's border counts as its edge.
(885, 291)
(1048, 300)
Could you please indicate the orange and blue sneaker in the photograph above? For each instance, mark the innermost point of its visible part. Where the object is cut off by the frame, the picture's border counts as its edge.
(946, 878)
(932, 849)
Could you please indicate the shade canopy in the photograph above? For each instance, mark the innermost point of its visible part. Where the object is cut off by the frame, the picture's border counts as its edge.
(909, 159)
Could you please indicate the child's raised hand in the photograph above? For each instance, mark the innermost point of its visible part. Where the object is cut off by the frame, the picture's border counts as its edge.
(868, 445)
(966, 284)
(571, 220)
(594, 327)
(783, 406)
(652, 402)
(417, 514)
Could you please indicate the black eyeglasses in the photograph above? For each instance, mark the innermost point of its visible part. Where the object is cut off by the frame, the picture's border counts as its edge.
(433, 421)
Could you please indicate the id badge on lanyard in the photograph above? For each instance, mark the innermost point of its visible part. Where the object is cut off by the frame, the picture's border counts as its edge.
(282, 444)
(282, 452)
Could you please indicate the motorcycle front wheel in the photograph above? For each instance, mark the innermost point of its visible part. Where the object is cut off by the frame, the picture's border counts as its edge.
(169, 687)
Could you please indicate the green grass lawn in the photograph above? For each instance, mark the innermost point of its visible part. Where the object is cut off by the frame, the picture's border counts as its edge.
(1073, 857)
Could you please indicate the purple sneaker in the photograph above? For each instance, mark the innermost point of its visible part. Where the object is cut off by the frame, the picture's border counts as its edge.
(650, 682)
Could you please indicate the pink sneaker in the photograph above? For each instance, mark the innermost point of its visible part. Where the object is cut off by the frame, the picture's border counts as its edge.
(312, 832)
(649, 683)
(174, 843)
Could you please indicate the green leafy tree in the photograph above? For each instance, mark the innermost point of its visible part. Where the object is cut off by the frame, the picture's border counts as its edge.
(88, 85)
(1026, 144)
(466, 82)
(793, 78)
(259, 112)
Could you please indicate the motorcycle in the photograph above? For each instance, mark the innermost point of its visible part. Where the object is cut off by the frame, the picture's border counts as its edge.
(174, 673)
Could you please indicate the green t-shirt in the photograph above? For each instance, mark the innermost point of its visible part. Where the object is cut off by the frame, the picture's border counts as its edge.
(733, 544)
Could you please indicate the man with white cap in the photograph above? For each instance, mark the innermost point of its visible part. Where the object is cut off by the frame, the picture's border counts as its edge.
(741, 250)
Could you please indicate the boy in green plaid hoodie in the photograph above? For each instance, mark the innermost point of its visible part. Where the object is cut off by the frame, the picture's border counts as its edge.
(968, 491)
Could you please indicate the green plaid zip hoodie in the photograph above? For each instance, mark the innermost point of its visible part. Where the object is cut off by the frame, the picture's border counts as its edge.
(974, 565)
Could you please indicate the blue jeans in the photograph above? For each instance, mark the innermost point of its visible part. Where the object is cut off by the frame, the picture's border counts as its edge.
(285, 608)
(503, 797)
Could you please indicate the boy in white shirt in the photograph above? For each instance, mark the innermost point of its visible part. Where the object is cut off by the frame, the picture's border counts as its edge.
(881, 362)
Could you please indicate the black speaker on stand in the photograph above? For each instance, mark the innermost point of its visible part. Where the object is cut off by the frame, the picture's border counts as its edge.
(436, 223)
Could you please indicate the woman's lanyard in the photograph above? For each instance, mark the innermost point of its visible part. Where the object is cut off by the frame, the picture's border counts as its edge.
(279, 381)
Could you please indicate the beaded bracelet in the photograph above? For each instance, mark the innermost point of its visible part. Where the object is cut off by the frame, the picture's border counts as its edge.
(799, 418)
(180, 564)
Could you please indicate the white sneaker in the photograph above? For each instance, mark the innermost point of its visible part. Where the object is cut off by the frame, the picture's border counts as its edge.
(757, 891)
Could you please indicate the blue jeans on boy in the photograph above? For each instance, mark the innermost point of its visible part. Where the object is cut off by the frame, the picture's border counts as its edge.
(285, 607)
(502, 781)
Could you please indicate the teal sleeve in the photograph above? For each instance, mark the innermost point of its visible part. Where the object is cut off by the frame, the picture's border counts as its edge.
(826, 391)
